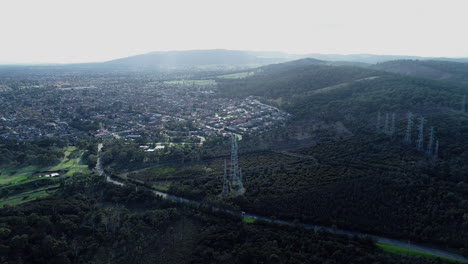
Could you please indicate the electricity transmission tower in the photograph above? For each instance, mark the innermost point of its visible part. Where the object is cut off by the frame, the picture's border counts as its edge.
(420, 142)
(409, 127)
(233, 182)
(236, 181)
(386, 124)
(463, 104)
(436, 150)
(392, 126)
(377, 126)
(431, 142)
(225, 180)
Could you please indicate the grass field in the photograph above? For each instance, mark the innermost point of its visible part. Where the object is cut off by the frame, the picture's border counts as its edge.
(248, 220)
(408, 252)
(191, 82)
(27, 196)
(163, 187)
(70, 164)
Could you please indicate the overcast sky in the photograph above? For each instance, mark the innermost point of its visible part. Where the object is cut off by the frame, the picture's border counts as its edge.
(98, 30)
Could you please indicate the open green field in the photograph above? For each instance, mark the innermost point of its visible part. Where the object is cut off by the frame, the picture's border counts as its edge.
(408, 252)
(27, 196)
(70, 164)
(238, 75)
(248, 220)
(192, 82)
(163, 187)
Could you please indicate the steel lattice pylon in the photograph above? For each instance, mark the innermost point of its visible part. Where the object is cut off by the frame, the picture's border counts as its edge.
(236, 181)
(232, 182)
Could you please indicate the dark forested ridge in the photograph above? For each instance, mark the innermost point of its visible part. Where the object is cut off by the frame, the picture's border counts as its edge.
(372, 58)
(293, 79)
(351, 95)
(429, 69)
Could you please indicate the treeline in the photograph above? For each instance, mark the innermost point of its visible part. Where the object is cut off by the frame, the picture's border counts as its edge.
(42, 152)
(119, 155)
(46, 152)
(128, 155)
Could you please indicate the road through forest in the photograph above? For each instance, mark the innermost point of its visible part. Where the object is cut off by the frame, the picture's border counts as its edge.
(394, 242)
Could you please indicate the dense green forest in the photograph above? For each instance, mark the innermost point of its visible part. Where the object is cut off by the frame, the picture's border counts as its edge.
(397, 191)
(44, 152)
(90, 221)
(293, 79)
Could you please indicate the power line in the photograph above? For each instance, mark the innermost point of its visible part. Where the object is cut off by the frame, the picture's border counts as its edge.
(409, 127)
(420, 142)
(429, 150)
(386, 123)
(377, 126)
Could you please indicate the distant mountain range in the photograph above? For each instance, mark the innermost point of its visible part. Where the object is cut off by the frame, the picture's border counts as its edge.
(192, 58)
(208, 59)
(372, 59)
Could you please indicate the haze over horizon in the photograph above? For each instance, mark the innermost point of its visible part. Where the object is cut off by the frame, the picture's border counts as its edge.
(53, 31)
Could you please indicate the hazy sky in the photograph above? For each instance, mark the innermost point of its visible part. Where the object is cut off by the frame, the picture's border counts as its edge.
(97, 30)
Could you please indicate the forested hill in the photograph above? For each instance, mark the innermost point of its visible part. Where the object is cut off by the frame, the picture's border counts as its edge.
(354, 96)
(430, 69)
(325, 99)
(296, 78)
(314, 88)
(372, 58)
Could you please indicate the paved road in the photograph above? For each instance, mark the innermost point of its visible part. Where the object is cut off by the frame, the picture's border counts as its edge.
(100, 168)
(404, 244)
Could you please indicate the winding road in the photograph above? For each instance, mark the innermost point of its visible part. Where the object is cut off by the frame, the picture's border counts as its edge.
(399, 243)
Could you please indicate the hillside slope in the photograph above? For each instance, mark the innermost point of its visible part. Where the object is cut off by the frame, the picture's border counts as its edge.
(431, 69)
(312, 87)
(293, 79)
(396, 190)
